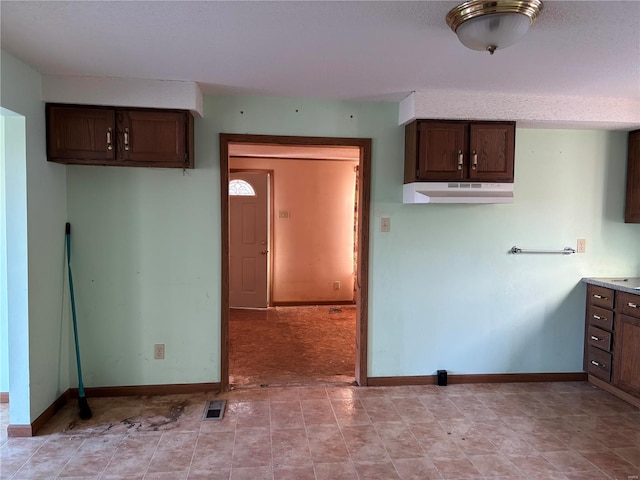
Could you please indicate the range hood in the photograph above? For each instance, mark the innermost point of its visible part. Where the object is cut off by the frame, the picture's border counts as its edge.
(457, 192)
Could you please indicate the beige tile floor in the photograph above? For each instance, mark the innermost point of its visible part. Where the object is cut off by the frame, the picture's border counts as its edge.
(536, 431)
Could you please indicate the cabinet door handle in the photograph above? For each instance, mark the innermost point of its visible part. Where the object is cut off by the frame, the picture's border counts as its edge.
(632, 305)
(109, 143)
(126, 139)
(593, 337)
(601, 365)
(595, 295)
(460, 160)
(474, 163)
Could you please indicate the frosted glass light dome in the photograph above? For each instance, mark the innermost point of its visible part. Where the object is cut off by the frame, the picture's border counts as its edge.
(499, 30)
(487, 25)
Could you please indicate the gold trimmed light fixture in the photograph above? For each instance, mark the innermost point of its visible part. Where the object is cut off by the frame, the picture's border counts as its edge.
(486, 25)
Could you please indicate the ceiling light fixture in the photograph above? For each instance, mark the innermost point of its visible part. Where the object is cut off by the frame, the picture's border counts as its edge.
(486, 25)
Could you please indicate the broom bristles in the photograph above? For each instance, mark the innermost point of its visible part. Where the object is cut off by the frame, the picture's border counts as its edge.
(84, 408)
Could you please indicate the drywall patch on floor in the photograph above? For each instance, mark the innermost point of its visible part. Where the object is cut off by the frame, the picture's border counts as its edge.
(165, 419)
(125, 414)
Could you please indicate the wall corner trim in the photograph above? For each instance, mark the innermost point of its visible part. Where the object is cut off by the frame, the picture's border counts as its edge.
(20, 431)
(38, 423)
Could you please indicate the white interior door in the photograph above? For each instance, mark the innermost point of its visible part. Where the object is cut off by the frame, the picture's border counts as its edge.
(248, 239)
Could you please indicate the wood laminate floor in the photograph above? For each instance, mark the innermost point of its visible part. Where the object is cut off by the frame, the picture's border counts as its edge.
(294, 346)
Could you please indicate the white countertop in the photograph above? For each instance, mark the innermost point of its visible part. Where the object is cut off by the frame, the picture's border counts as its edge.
(624, 284)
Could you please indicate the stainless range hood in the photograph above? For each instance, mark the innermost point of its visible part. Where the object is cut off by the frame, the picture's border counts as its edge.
(457, 192)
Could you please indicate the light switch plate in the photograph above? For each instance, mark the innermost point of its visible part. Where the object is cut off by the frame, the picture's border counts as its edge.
(385, 224)
(582, 244)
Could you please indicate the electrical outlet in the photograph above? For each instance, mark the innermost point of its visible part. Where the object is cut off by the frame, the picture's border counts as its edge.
(158, 351)
(385, 224)
(336, 285)
(581, 245)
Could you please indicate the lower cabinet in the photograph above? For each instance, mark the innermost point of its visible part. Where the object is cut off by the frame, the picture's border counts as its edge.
(627, 349)
(612, 340)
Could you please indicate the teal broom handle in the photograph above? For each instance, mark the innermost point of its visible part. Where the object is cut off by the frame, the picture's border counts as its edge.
(73, 311)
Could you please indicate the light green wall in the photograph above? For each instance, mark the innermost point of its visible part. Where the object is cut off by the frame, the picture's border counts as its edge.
(444, 292)
(35, 239)
(4, 320)
(460, 302)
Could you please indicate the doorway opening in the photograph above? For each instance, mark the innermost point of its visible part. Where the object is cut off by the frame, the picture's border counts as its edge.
(301, 300)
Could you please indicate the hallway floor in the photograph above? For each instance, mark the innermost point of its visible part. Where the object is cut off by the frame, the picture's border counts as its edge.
(526, 431)
(292, 346)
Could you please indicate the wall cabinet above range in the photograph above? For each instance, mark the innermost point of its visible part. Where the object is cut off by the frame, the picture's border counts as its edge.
(93, 135)
(632, 209)
(452, 151)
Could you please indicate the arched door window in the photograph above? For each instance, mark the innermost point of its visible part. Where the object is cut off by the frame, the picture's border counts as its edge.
(242, 188)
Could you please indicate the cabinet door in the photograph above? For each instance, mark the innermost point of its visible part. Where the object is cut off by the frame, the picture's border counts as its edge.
(491, 151)
(80, 135)
(442, 152)
(627, 354)
(632, 210)
(153, 138)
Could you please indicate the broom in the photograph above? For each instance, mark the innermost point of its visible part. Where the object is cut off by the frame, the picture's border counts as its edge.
(83, 405)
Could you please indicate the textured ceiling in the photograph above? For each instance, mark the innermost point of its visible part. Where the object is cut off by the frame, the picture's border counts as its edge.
(345, 50)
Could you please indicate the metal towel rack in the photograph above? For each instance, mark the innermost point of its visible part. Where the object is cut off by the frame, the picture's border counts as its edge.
(566, 251)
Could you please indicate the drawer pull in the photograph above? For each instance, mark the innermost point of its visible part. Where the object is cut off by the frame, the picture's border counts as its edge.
(593, 337)
(595, 295)
(598, 317)
(601, 365)
(632, 305)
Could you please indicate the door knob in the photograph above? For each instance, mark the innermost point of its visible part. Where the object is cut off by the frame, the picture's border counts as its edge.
(264, 252)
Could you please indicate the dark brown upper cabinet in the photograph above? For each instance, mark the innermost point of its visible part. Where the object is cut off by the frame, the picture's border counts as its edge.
(451, 151)
(632, 210)
(130, 137)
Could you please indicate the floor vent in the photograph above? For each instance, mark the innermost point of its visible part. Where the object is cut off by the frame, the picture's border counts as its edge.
(214, 410)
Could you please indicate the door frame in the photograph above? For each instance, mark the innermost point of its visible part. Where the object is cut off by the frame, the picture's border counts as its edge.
(270, 218)
(362, 275)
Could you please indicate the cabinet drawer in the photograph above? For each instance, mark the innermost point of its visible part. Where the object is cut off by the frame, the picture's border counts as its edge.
(596, 337)
(600, 317)
(600, 296)
(599, 363)
(628, 304)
